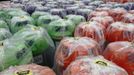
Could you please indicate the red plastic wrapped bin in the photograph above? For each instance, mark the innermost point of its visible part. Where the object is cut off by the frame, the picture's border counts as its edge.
(73, 47)
(94, 66)
(121, 53)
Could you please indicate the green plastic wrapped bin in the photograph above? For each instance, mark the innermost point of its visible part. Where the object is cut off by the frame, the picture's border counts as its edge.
(39, 42)
(45, 20)
(14, 52)
(61, 28)
(19, 22)
(76, 19)
(37, 14)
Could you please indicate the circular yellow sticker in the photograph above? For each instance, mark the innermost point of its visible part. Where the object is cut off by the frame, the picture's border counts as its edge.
(26, 72)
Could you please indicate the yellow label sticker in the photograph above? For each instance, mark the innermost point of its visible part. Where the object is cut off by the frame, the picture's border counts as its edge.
(26, 72)
(103, 63)
(34, 28)
(22, 17)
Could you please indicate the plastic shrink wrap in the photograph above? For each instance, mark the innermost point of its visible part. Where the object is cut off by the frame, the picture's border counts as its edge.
(37, 14)
(120, 1)
(121, 53)
(71, 48)
(92, 30)
(61, 28)
(9, 13)
(97, 13)
(107, 9)
(76, 19)
(93, 66)
(108, 5)
(104, 20)
(120, 31)
(45, 20)
(58, 11)
(13, 12)
(3, 24)
(71, 9)
(31, 69)
(128, 18)
(96, 3)
(4, 34)
(131, 11)
(116, 13)
(14, 52)
(84, 12)
(39, 42)
(129, 5)
(19, 22)
(5, 4)
(3, 15)
(4, 30)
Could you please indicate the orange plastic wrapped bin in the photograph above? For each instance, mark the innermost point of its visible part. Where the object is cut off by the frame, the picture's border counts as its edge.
(104, 20)
(128, 18)
(91, 29)
(120, 31)
(31, 69)
(117, 13)
(121, 53)
(73, 47)
(97, 13)
(94, 66)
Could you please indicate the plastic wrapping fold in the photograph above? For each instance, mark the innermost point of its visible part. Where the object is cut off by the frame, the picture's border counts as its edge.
(104, 20)
(31, 69)
(19, 22)
(4, 34)
(128, 18)
(71, 48)
(14, 52)
(121, 53)
(94, 66)
(92, 30)
(61, 28)
(38, 41)
(120, 31)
